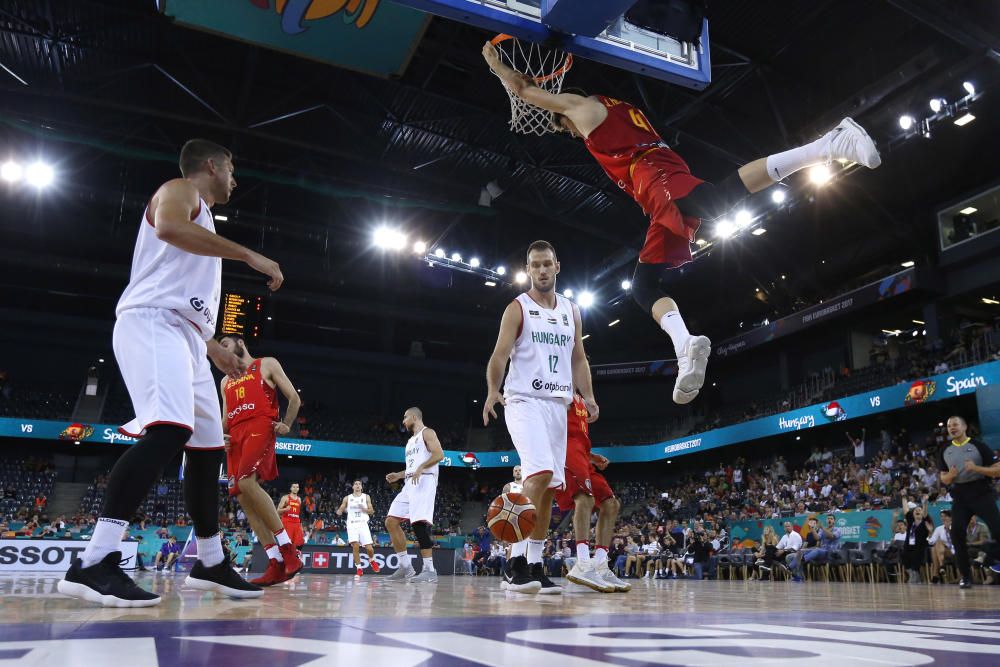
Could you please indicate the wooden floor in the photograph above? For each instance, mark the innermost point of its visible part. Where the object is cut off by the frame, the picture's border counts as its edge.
(320, 620)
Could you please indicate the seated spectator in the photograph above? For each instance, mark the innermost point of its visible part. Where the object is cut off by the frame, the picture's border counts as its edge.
(338, 541)
(767, 553)
(918, 529)
(168, 554)
(828, 541)
(697, 555)
(789, 544)
(942, 550)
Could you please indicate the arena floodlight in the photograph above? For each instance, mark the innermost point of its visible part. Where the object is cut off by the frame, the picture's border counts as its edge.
(969, 87)
(907, 264)
(760, 231)
(11, 171)
(724, 229)
(474, 262)
(820, 174)
(439, 252)
(387, 238)
(613, 323)
(501, 270)
(568, 293)
(626, 284)
(40, 175)
(420, 247)
(936, 103)
(778, 196)
(490, 283)
(521, 277)
(906, 121)
(743, 218)
(586, 300)
(962, 121)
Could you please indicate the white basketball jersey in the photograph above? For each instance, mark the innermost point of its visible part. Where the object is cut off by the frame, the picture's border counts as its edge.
(357, 508)
(164, 276)
(417, 453)
(516, 488)
(541, 362)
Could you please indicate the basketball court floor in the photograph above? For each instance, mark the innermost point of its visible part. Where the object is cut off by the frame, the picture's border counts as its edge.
(325, 620)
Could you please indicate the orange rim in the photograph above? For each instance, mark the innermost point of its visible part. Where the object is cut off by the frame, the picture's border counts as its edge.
(567, 63)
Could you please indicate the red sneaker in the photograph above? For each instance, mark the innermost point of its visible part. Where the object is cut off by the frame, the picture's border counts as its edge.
(375, 567)
(292, 561)
(274, 574)
(359, 573)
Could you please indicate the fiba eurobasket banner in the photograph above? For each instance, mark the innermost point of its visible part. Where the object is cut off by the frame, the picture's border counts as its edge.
(325, 559)
(372, 36)
(890, 286)
(906, 394)
(51, 555)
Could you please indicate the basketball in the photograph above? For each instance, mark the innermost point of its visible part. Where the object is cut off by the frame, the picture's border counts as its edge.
(511, 517)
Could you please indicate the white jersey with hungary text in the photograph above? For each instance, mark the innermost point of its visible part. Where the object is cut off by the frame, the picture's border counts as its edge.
(357, 508)
(541, 362)
(417, 453)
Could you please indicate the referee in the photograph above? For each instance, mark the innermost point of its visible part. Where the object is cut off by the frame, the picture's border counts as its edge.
(970, 464)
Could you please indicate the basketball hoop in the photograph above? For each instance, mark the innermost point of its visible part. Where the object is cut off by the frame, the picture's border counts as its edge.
(545, 67)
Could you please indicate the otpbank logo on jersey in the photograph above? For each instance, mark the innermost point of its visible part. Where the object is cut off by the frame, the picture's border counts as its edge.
(199, 307)
(539, 385)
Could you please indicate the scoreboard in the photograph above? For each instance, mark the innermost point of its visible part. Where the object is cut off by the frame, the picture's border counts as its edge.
(242, 314)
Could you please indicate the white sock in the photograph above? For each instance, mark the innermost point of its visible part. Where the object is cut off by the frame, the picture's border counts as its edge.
(518, 548)
(210, 550)
(583, 554)
(282, 538)
(535, 551)
(781, 165)
(673, 324)
(107, 537)
(429, 564)
(601, 556)
(274, 552)
(404, 560)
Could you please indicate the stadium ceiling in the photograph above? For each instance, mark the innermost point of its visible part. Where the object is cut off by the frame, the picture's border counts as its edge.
(110, 89)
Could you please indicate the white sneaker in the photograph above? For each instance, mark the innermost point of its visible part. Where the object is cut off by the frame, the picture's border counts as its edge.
(691, 366)
(425, 577)
(609, 576)
(400, 575)
(589, 577)
(849, 141)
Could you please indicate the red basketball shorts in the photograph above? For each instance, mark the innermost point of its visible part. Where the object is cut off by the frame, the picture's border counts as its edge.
(582, 477)
(251, 450)
(294, 530)
(659, 179)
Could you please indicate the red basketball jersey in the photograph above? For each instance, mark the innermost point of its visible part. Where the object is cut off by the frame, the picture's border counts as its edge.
(578, 430)
(624, 135)
(250, 396)
(294, 510)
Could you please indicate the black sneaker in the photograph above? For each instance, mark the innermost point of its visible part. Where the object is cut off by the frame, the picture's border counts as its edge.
(221, 579)
(507, 574)
(965, 583)
(548, 588)
(105, 583)
(520, 581)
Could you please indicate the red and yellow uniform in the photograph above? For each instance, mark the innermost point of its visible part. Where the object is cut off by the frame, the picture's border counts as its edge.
(251, 410)
(634, 156)
(292, 520)
(581, 475)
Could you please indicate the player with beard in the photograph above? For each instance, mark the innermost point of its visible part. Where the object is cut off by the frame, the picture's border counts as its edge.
(250, 417)
(541, 334)
(516, 485)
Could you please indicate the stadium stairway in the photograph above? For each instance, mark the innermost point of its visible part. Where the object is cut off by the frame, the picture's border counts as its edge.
(65, 500)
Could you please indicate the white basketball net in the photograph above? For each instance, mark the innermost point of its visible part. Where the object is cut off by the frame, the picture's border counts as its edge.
(546, 67)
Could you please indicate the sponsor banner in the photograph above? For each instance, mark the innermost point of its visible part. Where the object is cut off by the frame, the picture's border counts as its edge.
(856, 526)
(51, 555)
(657, 368)
(894, 285)
(325, 559)
(372, 36)
(938, 387)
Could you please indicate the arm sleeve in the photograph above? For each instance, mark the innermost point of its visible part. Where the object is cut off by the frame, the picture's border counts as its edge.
(941, 462)
(988, 455)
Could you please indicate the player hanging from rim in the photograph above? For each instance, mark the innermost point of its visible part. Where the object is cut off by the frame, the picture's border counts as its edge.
(585, 489)
(637, 159)
(250, 418)
(359, 508)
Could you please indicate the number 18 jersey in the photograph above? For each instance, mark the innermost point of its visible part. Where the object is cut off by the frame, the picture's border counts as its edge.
(541, 362)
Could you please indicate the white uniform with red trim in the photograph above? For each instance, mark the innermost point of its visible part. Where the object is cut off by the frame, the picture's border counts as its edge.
(357, 520)
(415, 501)
(164, 317)
(539, 386)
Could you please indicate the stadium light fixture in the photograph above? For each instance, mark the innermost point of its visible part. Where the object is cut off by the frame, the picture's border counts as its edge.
(490, 283)
(969, 87)
(962, 121)
(907, 264)
(568, 293)
(456, 257)
(439, 252)
(990, 302)
(724, 229)
(701, 242)
(613, 323)
(420, 247)
(743, 218)
(388, 238)
(11, 171)
(760, 231)
(968, 210)
(520, 277)
(936, 103)
(474, 262)
(820, 174)
(585, 337)
(906, 122)
(501, 270)
(40, 175)
(626, 284)
(586, 300)
(778, 196)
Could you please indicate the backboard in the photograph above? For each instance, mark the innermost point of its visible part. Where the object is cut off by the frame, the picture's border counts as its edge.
(594, 29)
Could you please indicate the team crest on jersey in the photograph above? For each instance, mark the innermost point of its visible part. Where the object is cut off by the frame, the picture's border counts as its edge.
(533, 313)
(565, 319)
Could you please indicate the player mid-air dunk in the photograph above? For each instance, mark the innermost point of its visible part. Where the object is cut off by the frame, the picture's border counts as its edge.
(634, 156)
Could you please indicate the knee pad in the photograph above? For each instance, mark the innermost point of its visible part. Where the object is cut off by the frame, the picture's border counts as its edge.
(423, 532)
(646, 288)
